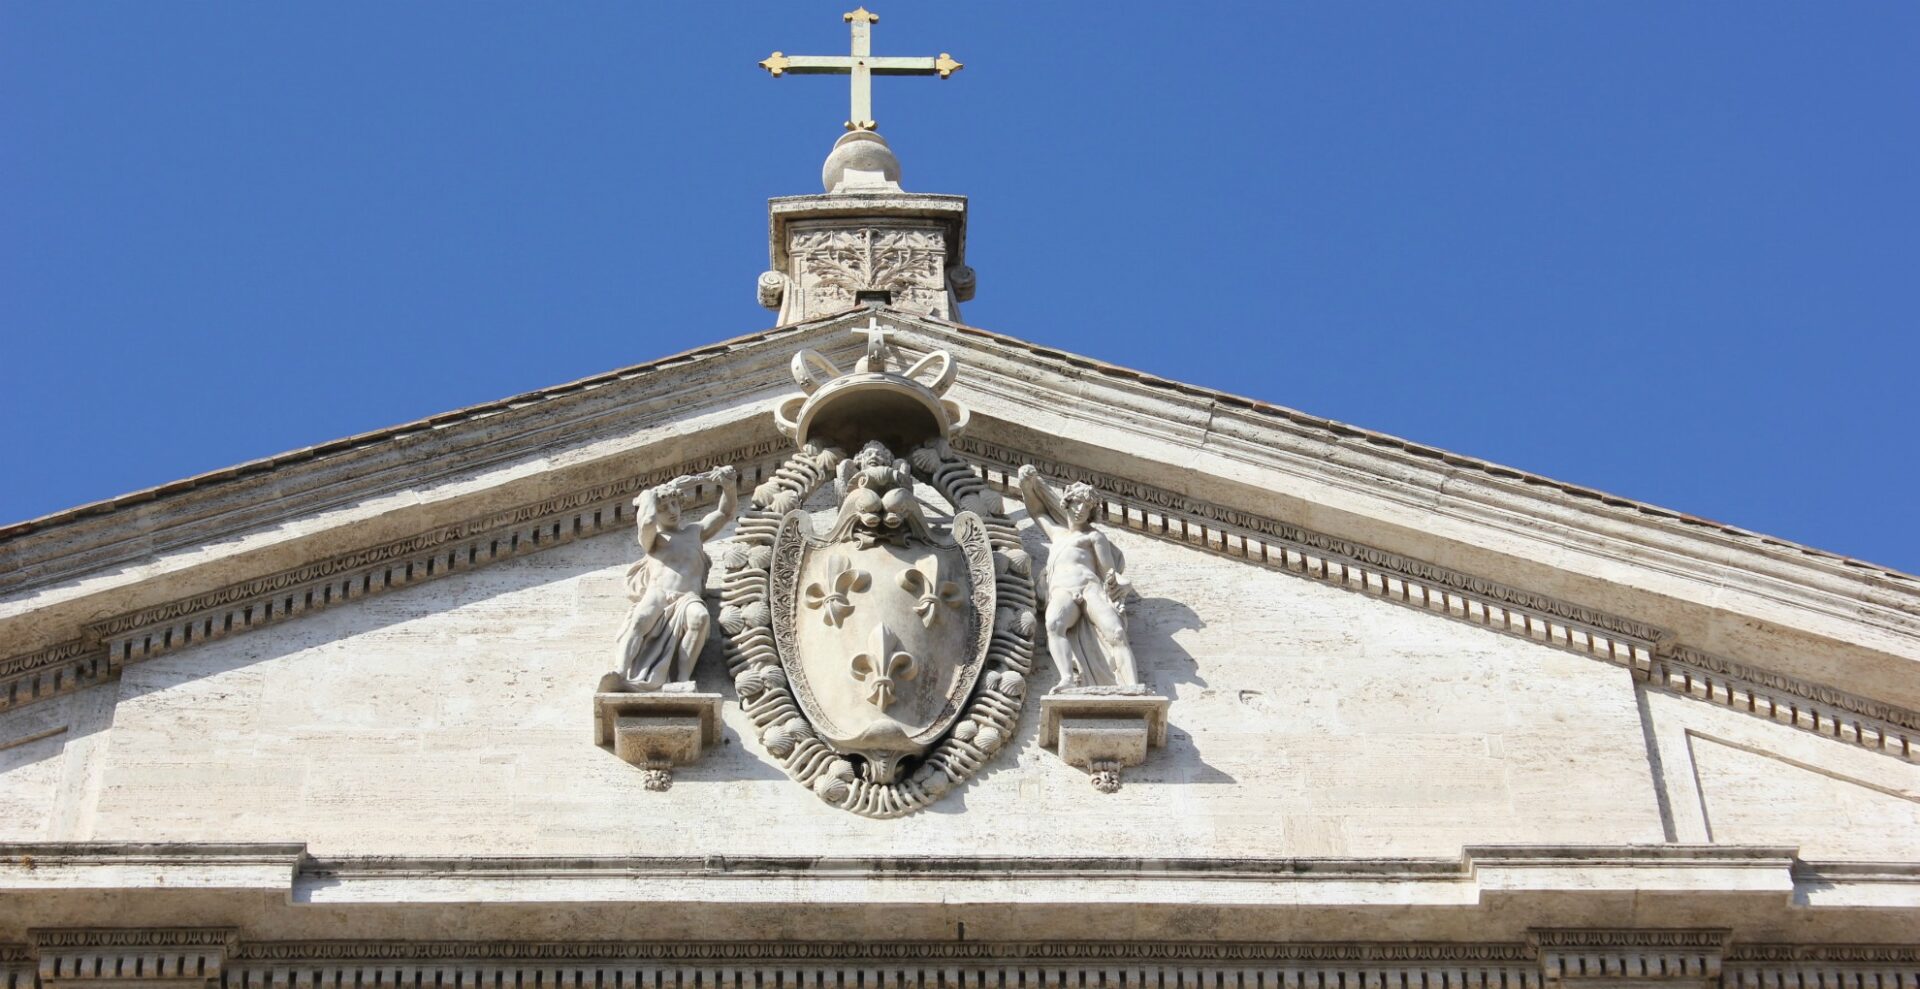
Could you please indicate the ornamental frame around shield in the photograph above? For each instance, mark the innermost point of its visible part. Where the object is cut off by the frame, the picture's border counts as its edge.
(762, 598)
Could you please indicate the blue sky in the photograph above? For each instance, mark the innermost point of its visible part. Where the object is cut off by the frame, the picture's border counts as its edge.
(1665, 250)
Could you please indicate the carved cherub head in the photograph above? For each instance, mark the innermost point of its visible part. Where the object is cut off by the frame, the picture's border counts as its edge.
(1080, 500)
(663, 503)
(874, 454)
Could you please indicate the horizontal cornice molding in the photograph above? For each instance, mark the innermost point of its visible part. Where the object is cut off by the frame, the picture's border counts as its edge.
(25, 864)
(1599, 942)
(916, 951)
(292, 906)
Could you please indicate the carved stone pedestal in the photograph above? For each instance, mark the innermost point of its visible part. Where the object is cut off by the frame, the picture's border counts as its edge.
(657, 730)
(1104, 729)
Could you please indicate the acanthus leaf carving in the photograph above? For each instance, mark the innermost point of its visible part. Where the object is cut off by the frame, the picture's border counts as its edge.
(830, 265)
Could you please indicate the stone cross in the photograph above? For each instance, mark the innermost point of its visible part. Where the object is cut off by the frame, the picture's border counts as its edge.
(862, 64)
(878, 342)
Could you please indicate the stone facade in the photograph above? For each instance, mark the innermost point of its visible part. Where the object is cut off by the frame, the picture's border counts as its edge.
(1358, 713)
(1309, 721)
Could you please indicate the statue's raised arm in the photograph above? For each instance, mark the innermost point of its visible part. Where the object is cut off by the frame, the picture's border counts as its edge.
(1043, 503)
(728, 481)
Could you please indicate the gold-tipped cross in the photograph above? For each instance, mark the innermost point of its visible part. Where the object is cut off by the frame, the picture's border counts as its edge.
(862, 64)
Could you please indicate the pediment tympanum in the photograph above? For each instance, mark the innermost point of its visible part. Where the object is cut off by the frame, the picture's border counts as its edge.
(332, 527)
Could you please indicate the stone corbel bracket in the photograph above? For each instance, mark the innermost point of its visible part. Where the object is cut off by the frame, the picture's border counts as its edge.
(1104, 730)
(657, 730)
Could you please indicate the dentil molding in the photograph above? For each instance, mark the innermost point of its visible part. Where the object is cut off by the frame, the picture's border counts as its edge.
(1617, 957)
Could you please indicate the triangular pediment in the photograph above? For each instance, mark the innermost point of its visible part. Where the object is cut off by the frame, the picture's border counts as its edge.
(1807, 639)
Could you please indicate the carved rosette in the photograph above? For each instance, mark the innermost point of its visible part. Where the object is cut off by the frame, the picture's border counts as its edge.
(886, 662)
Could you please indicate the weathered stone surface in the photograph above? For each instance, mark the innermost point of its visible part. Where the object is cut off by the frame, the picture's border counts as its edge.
(833, 252)
(1306, 721)
(657, 730)
(668, 626)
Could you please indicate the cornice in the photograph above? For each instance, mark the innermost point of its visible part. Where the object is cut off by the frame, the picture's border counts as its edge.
(1489, 906)
(55, 854)
(242, 953)
(17, 858)
(913, 951)
(1821, 617)
(601, 496)
(278, 463)
(1811, 706)
(1625, 957)
(566, 427)
(144, 937)
(1420, 453)
(1160, 512)
(1184, 408)
(1713, 939)
(919, 868)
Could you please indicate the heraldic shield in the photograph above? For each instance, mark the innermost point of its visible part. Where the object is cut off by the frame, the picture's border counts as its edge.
(882, 640)
(884, 660)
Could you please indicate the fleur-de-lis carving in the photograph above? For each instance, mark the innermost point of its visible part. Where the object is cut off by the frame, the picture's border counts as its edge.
(882, 663)
(923, 581)
(831, 597)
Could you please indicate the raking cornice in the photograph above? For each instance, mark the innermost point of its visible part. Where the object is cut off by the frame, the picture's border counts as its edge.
(1602, 575)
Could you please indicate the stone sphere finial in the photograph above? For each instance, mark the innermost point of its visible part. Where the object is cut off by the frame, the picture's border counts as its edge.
(861, 162)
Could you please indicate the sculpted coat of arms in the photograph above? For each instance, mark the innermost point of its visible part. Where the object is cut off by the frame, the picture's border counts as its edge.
(878, 607)
(882, 623)
(882, 652)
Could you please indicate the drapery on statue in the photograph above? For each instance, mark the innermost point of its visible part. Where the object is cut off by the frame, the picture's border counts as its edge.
(667, 626)
(1086, 587)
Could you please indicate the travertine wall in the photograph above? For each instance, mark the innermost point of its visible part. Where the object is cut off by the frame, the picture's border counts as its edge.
(1740, 780)
(455, 718)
